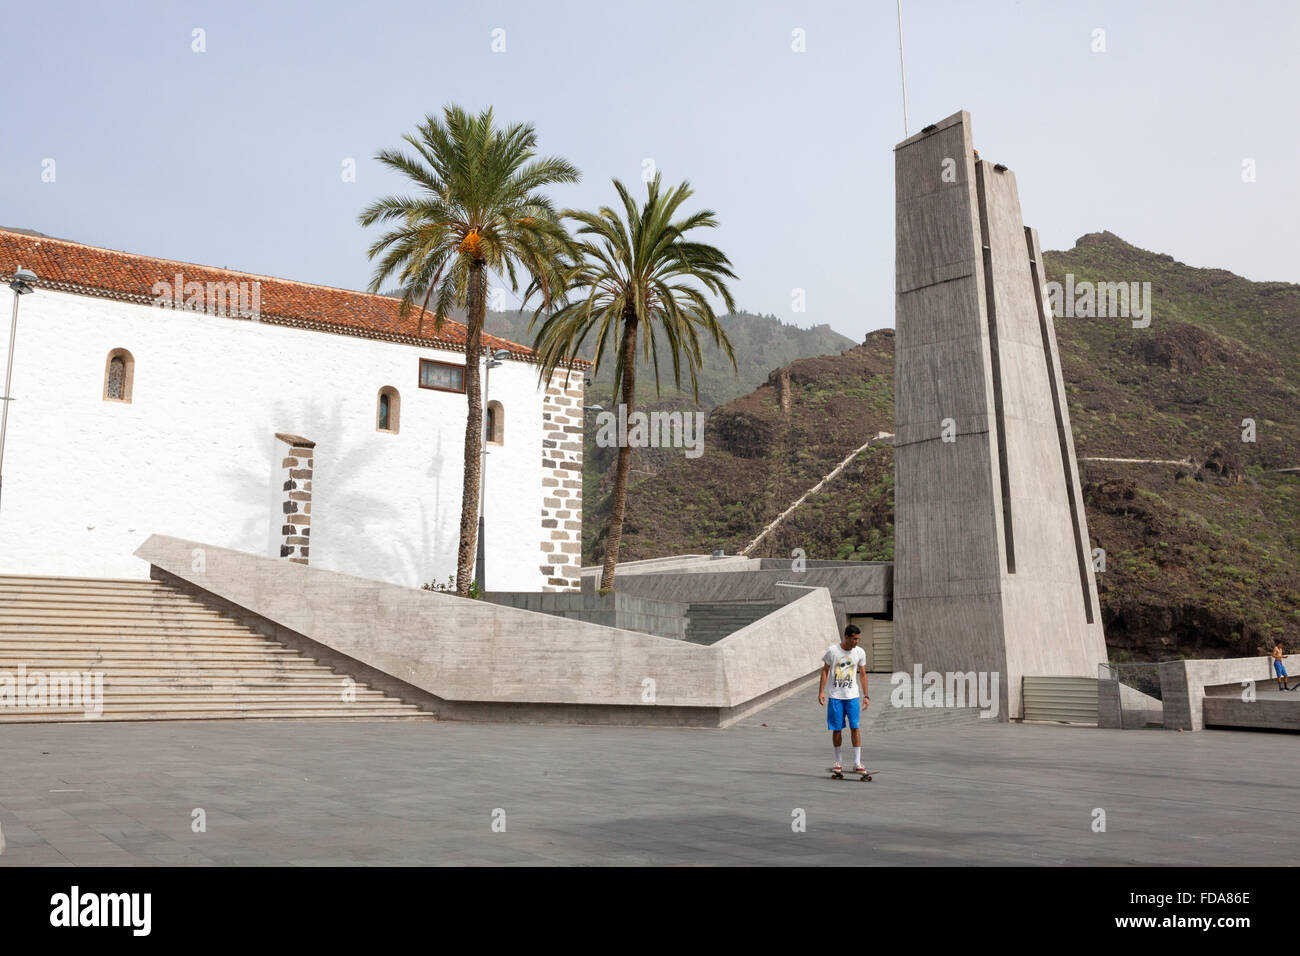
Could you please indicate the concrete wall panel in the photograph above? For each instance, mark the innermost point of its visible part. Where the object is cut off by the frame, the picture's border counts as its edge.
(476, 653)
(989, 530)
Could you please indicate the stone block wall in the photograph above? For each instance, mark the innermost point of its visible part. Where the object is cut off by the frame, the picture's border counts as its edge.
(297, 456)
(561, 544)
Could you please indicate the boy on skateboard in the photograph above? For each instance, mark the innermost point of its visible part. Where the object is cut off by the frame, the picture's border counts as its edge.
(1279, 668)
(847, 661)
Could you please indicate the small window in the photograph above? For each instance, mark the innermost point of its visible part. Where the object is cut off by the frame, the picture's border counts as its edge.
(442, 376)
(495, 427)
(119, 371)
(388, 413)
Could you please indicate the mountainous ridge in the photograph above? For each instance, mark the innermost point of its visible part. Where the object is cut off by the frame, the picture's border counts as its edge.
(1201, 558)
(760, 343)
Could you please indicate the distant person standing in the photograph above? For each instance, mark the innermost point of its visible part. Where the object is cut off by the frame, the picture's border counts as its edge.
(846, 661)
(1279, 667)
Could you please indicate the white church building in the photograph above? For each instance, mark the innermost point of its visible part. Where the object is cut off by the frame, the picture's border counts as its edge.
(268, 416)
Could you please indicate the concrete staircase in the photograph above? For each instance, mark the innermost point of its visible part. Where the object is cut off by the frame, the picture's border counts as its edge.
(710, 623)
(164, 656)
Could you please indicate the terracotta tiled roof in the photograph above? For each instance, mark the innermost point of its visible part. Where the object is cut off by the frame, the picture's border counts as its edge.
(90, 270)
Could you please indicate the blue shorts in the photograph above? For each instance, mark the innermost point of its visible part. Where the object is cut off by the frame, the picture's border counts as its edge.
(1277, 666)
(839, 711)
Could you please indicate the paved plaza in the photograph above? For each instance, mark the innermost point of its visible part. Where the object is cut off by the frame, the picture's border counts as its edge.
(376, 793)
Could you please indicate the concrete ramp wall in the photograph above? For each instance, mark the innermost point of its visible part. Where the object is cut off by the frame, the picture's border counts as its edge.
(1185, 686)
(480, 660)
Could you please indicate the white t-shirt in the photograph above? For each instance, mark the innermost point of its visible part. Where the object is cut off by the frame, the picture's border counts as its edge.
(843, 681)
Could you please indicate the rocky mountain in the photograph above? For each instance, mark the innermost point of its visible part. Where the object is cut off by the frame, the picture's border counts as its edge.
(761, 343)
(1202, 535)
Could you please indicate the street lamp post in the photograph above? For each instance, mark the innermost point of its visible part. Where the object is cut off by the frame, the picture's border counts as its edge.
(21, 284)
(480, 553)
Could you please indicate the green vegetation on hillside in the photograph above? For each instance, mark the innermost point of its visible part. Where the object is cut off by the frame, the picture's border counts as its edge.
(1201, 560)
(762, 343)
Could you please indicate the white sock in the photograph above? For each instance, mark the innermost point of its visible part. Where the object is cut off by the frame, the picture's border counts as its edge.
(857, 756)
(837, 756)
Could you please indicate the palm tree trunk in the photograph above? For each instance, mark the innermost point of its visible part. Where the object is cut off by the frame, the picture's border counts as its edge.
(473, 432)
(624, 453)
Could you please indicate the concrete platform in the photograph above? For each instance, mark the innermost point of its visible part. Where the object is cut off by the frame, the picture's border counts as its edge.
(1272, 708)
(1197, 693)
(417, 793)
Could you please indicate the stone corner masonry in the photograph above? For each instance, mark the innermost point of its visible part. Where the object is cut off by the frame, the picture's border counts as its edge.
(297, 456)
(561, 522)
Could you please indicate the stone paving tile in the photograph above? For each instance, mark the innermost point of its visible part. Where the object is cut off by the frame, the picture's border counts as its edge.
(43, 855)
(316, 794)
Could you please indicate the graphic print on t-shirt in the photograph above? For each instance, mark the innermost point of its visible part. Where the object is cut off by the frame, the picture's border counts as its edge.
(844, 672)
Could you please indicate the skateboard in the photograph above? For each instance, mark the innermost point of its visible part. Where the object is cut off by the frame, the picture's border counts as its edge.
(864, 775)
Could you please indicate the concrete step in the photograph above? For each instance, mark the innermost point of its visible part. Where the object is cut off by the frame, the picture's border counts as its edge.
(44, 593)
(105, 596)
(34, 610)
(29, 655)
(77, 714)
(208, 702)
(213, 629)
(165, 655)
(114, 611)
(142, 650)
(27, 622)
(160, 596)
(187, 678)
(177, 643)
(225, 637)
(166, 665)
(319, 678)
(181, 652)
(42, 580)
(216, 702)
(114, 699)
(167, 697)
(189, 686)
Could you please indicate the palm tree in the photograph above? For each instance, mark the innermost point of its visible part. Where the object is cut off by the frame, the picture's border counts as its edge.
(477, 209)
(637, 276)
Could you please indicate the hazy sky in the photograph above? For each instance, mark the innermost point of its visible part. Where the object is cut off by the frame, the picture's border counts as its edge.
(233, 156)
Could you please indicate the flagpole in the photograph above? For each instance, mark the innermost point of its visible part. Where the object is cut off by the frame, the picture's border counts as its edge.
(902, 72)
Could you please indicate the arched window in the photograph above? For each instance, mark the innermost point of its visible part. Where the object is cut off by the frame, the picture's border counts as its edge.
(388, 411)
(119, 372)
(495, 427)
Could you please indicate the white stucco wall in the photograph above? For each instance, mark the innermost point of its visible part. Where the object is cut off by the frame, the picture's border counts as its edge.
(86, 481)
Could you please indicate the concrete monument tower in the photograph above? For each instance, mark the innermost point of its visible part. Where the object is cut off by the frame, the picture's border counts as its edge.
(992, 566)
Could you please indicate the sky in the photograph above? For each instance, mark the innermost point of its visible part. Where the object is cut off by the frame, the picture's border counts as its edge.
(782, 115)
